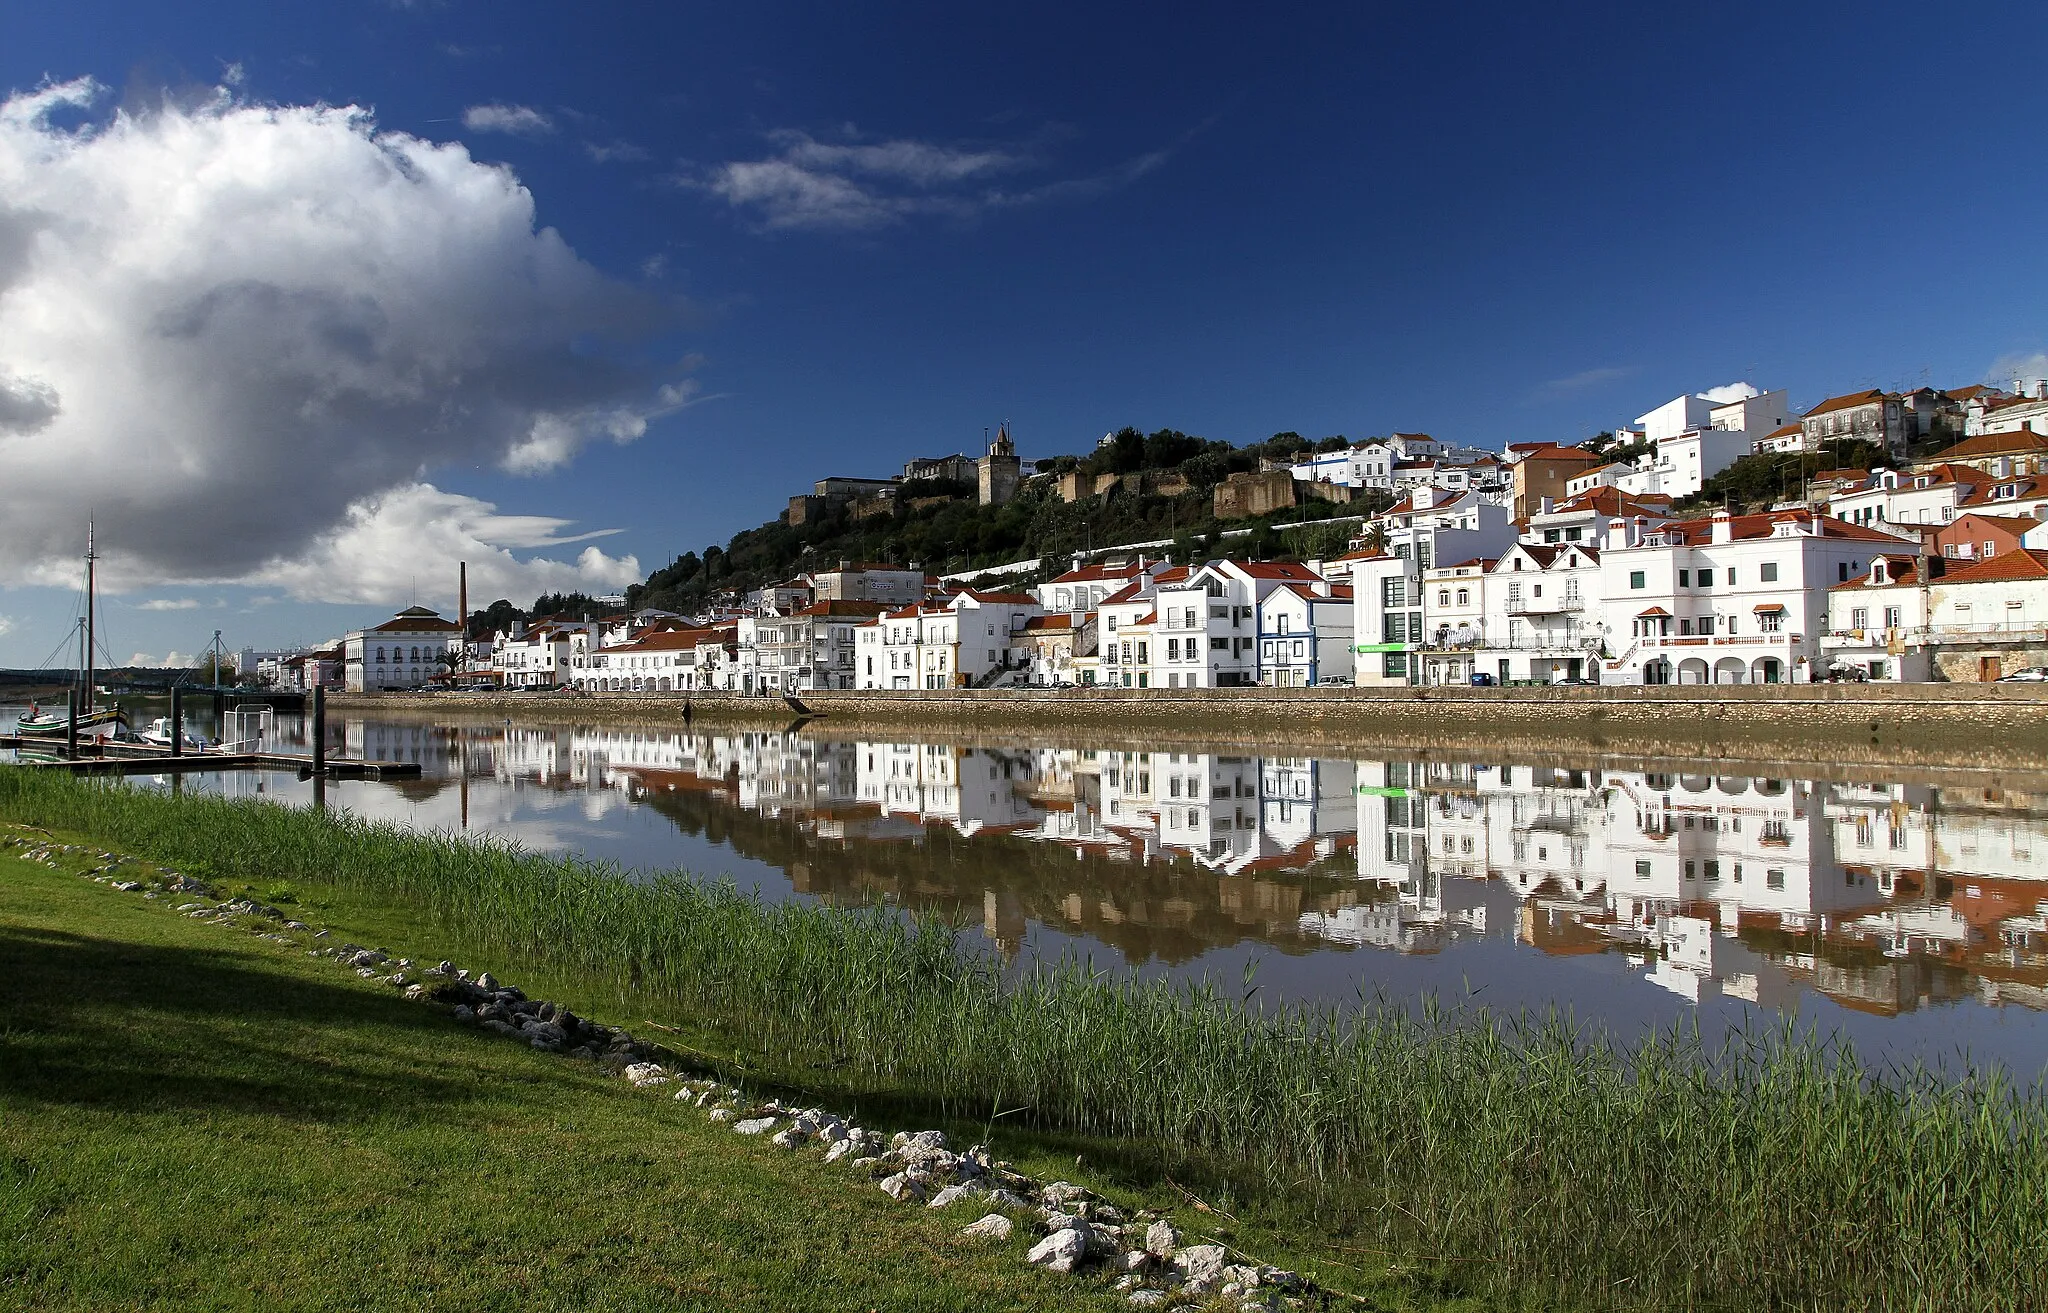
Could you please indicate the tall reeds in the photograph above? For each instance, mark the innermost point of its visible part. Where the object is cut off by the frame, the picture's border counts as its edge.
(1521, 1150)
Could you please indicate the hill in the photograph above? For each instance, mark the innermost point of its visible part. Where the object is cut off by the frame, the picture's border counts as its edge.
(941, 528)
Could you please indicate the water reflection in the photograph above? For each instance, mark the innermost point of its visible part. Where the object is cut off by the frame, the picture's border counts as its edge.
(1632, 897)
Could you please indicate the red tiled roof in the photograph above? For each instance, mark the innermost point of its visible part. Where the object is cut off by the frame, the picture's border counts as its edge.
(1552, 451)
(1700, 531)
(1276, 570)
(1060, 620)
(1652, 613)
(1092, 573)
(415, 620)
(1785, 432)
(2020, 442)
(2026, 563)
(1010, 599)
(838, 609)
(1848, 401)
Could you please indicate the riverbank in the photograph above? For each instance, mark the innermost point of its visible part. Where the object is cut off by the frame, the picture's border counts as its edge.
(194, 1118)
(1769, 1174)
(1947, 725)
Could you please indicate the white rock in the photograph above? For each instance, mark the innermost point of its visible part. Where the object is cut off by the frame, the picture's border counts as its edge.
(1136, 1260)
(792, 1138)
(640, 1073)
(1059, 1252)
(839, 1149)
(1147, 1298)
(1061, 1193)
(1161, 1240)
(993, 1227)
(754, 1125)
(1200, 1266)
(1005, 1199)
(953, 1194)
(723, 1114)
(904, 1186)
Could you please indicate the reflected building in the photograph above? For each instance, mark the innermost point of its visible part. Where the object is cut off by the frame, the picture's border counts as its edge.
(1884, 897)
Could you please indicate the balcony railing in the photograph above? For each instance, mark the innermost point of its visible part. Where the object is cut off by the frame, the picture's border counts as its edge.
(2033, 631)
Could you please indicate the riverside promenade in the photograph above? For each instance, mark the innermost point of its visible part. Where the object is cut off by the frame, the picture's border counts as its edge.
(1954, 725)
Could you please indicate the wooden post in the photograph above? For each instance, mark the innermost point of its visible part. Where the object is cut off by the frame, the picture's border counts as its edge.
(319, 731)
(177, 722)
(71, 724)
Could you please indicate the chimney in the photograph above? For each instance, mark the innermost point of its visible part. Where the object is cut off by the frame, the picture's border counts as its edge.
(1723, 523)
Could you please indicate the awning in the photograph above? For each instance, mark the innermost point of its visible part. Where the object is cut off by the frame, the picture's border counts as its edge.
(1768, 606)
(1655, 612)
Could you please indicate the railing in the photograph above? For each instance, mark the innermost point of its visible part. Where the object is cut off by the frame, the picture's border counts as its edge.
(2030, 631)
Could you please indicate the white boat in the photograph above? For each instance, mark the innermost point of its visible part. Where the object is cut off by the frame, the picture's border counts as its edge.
(159, 733)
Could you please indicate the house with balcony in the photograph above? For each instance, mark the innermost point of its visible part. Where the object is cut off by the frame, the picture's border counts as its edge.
(1304, 635)
(812, 648)
(1206, 631)
(1543, 620)
(1454, 618)
(1085, 587)
(1729, 599)
(1389, 634)
(1878, 621)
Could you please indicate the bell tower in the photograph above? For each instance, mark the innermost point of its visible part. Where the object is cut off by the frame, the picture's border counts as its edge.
(1000, 470)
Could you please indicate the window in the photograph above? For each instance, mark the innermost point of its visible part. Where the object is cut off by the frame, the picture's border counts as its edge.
(1771, 622)
(1891, 617)
(1642, 869)
(1395, 665)
(1859, 617)
(1842, 572)
(1685, 578)
(1464, 597)
(1769, 571)
(1443, 597)
(1706, 578)
(1173, 649)
(1635, 578)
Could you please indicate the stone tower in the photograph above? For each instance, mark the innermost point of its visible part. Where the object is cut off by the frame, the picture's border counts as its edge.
(1000, 470)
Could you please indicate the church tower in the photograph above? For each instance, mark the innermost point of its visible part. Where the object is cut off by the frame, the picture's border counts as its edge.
(1000, 470)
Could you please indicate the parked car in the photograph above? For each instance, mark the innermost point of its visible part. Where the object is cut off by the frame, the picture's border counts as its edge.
(2031, 675)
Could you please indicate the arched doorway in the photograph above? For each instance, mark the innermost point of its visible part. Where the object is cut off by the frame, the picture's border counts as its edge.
(1692, 670)
(1730, 670)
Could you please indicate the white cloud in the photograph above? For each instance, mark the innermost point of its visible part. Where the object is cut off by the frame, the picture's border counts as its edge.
(224, 328)
(854, 184)
(2025, 366)
(1728, 392)
(519, 120)
(406, 542)
(614, 152)
(169, 661)
(1586, 380)
(6, 623)
(169, 604)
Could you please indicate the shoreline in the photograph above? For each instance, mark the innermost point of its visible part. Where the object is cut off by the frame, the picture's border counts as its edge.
(1942, 726)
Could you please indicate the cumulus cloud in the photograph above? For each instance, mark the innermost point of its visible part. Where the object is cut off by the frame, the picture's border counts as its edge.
(850, 183)
(1728, 392)
(387, 542)
(227, 328)
(6, 624)
(519, 120)
(169, 604)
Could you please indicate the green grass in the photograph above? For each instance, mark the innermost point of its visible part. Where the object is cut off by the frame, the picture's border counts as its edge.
(1514, 1156)
(193, 1119)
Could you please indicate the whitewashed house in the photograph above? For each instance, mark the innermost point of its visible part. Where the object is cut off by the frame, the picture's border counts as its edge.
(1727, 599)
(1544, 620)
(1305, 634)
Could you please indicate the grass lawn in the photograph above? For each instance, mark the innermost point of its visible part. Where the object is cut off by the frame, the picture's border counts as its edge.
(193, 1118)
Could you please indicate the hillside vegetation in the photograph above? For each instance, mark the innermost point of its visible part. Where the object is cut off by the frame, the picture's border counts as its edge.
(959, 534)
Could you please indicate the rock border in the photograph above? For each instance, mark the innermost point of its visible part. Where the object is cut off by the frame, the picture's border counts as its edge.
(1081, 1233)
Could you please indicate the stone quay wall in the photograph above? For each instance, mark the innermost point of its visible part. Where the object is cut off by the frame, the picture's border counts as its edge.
(2004, 725)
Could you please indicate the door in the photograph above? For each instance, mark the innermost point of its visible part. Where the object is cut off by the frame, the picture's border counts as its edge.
(1988, 669)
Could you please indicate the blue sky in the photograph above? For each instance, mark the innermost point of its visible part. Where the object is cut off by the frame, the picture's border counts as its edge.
(822, 239)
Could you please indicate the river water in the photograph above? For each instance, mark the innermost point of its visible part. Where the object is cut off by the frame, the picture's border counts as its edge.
(1911, 918)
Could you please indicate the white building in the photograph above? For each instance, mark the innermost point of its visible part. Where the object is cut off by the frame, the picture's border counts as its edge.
(1697, 436)
(1544, 621)
(1305, 635)
(1727, 599)
(402, 653)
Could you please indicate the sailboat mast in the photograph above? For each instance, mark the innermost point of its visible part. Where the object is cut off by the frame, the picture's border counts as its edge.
(91, 582)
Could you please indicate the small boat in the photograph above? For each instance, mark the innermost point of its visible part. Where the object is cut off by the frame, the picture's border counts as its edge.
(159, 733)
(103, 723)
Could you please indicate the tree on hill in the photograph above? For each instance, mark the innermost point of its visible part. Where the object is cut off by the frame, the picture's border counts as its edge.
(1758, 481)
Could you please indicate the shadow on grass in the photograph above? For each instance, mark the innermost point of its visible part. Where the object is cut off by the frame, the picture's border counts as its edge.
(127, 1027)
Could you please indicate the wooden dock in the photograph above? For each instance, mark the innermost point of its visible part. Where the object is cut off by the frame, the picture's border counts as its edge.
(149, 759)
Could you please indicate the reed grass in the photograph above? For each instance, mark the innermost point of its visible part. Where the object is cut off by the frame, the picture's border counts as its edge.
(1523, 1151)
